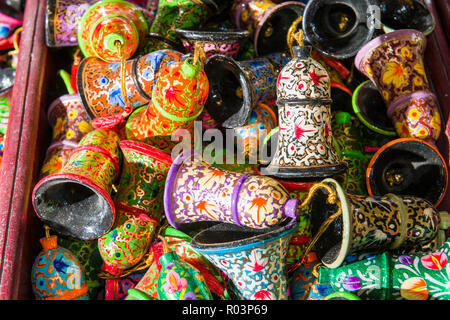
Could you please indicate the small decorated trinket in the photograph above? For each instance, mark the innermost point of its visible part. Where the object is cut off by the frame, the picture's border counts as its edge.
(254, 260)
(394, 63)
(408, 166)
(100, 83)
(111, 30)
(77, 202)
(236, 87)
(344, 224)
(178, 99)
(305, 141)
(56, 273)
(196, 191)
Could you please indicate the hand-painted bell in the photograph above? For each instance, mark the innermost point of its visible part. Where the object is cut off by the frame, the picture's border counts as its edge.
(254, 260)
(196, 191)
(261, 121)
(214, 41)
(99, 83)
(350, 148)
(338, 28)
(178, 98)
(178, 242)
(182, 14)
(266, 21)
(389, 276)
(5, 108)
(178, 280)
(370, 108)
(236, 87)
(90, 260)
(127, 242)
(411, 14)
(361, 224)
(394, 62)
(57, 274)
(305, 140)
(108, 23)
(61, 21)
(76, 202)
(303, 279)
(408, 166)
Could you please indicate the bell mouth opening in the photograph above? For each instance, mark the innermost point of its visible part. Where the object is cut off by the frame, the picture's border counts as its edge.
(339, 20)
(211, 34)
(409, 167)
(278, 21)
(334, 244)
(230, 99)
(397, 14)
(370, 108)
(73, 206)
(228, 237)
(338, 28)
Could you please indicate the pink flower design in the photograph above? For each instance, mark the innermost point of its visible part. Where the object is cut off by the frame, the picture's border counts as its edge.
(434, 261)
(263, 295)
(174, 282)
(257, 262)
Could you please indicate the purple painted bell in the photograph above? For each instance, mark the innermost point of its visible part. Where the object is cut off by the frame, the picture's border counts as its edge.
(196, 191)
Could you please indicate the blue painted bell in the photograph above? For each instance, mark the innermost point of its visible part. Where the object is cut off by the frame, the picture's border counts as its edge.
(57, 274)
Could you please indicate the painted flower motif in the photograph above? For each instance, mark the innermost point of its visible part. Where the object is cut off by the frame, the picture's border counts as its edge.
(418, 81)
(59, 127)
(385, 95)
(259, 208)
(207, 209)
(414, 289)
(70, 134)
(73, 114)
(85, 127)
(174, 282)
(405, 52)
(212, 177)
(303, 132)
(434, 261)
(422, 133)
(406, 259)
(414, 114)
(351, 283)
(257, 262)
(395, 74)
(54, 165)
(263, 295)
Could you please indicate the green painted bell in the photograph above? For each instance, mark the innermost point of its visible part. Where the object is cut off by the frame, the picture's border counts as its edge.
(350, 148)
(393, 277)
(178, 280)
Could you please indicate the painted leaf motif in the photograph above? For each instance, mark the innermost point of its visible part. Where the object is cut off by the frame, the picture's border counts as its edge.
(414, 289)
(434, 261)
(351, 283)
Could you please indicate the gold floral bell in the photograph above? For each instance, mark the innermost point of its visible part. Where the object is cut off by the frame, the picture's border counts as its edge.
(305, 142)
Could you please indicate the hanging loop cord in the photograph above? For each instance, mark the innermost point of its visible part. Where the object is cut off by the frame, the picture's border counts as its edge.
(332, 199)
(293, 35)
(199, 54)
(123, 63)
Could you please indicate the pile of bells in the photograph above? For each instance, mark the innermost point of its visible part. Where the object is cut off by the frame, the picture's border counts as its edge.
(342, 206)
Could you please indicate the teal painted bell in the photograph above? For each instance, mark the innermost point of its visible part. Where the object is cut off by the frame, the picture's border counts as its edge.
(57, 274)
(178, 280)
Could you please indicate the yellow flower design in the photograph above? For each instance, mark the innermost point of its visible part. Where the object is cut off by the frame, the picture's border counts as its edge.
(422, 133)
(385, 95)
(54, 165)
(395, 74)
(418, 81)
(244, 16)
(70, 134)
(414, 114)
(85, 127)
(72, 114)
(436, 121)
(405, 52)
(59, 127)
